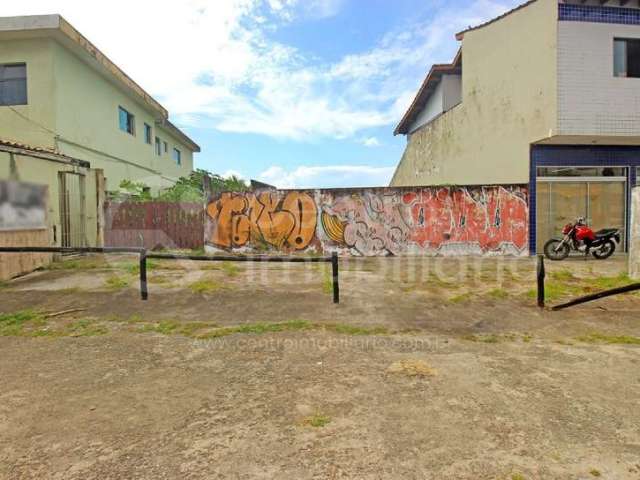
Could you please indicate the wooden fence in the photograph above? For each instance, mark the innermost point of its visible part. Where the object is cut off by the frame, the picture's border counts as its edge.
(154, 225)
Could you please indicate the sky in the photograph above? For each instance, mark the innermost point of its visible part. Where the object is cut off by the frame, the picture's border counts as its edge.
(295, 93)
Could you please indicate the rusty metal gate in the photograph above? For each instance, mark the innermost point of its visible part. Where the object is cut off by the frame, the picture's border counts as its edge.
(72, 210)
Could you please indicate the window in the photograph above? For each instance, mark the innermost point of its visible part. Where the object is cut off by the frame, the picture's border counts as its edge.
(582, 172)
(166, 147)
(147, 133)
(158, 146)
(127, 121)
(177, 156)
(13, 84)
(626, 57)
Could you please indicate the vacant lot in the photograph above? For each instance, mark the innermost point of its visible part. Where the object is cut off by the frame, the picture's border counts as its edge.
(428, 369)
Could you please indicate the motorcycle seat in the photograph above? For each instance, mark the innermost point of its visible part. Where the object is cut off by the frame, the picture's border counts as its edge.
(606, 231)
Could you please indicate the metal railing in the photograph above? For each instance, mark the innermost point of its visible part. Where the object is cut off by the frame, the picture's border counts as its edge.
(144, 255)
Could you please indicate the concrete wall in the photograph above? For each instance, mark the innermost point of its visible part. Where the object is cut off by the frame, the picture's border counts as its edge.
(634, 235)
(44, 172)
(16, 264)
(592, 101)
(509, 100)
(373, 222)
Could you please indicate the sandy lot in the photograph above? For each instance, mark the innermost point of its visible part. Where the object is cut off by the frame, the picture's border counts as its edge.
(428, 369)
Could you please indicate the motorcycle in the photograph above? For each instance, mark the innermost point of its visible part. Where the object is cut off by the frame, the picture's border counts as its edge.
(580, 237)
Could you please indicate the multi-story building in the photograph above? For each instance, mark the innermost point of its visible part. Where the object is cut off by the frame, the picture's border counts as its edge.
(546, 95)
(59, 92)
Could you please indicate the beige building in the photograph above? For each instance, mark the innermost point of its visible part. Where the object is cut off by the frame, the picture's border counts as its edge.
(59, 92)
(547, 95)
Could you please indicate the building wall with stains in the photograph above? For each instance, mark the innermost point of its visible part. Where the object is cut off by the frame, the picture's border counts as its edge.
(509, 101)
(479, 220)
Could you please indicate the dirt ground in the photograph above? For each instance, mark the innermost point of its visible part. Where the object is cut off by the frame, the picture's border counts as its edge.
(428, 369)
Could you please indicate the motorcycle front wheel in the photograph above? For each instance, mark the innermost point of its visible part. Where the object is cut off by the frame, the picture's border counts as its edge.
(553, 250)
(605, 251)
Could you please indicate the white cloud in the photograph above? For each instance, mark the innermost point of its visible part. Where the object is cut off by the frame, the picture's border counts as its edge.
(328, 176)
(214, 65)
(371, 142)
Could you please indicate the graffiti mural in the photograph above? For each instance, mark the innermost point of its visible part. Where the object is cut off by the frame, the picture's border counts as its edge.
(373, 222)
(284, 222)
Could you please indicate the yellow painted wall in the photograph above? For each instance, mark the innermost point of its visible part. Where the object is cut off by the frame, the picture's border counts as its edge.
(38, 55)
(509, 100)
(87, 121)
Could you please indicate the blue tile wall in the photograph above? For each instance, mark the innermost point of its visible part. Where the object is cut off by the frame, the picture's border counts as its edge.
(578, 156)
(585, 13)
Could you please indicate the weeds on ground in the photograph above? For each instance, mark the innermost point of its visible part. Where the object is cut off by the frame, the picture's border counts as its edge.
(498, 293)
(134, 267)
(594, 472)
(258, 328)
(317, 420)
(327, 282)
(462, 298)
(517, 476)
(4, 285)
(345, 329)
(609, 339)
(77, 264)
(230, 269)
(207, 285)
(168, 327)
(117, 283)
(12, 324)
(85, 328)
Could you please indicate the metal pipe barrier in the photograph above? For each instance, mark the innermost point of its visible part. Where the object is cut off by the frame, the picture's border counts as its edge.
(144, 255)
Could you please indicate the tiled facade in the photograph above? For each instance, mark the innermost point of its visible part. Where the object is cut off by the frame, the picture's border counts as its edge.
(591, 100)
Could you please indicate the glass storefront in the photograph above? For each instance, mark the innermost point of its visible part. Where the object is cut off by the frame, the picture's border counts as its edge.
(563, 194)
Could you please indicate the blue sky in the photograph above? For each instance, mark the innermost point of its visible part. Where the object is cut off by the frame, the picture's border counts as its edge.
(297, 93)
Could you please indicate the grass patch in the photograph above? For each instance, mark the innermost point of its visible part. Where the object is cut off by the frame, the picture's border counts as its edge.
(207, 285)
(607, 283)
(491, 338)
(3, 284)
(259, 328)
(517, 476)
(230, 269)
(609, 339)
(463, 298)
(343, 329)
(563, 276)
(595, 473)
(134, 267)
(117, 283)
(77, 264)
(555, 290)
(498, 293)
(85, 328)
(327, 282)
(317, 421)
(12, 324)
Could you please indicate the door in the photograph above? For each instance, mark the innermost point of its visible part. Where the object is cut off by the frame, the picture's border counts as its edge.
(72, 210)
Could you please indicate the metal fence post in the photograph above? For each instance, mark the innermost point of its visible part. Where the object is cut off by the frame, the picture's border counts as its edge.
(336, 281)
(541, 274)
(144, 292)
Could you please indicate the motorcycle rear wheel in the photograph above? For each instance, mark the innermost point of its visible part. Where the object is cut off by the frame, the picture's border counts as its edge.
(605, 251)
(553, 251)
